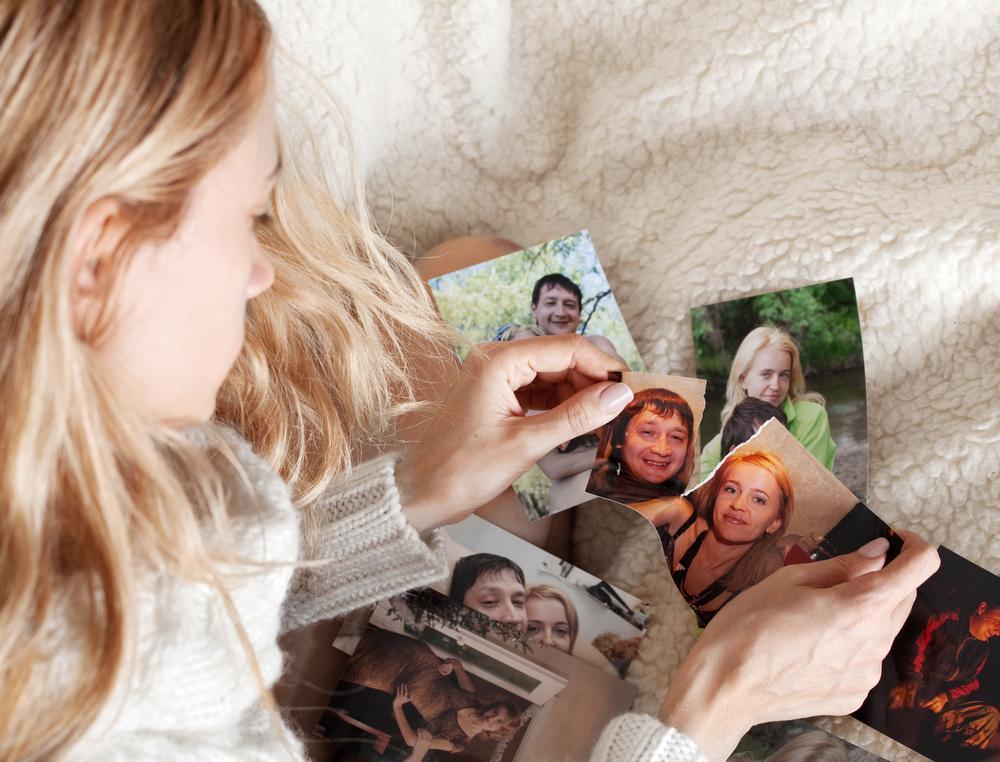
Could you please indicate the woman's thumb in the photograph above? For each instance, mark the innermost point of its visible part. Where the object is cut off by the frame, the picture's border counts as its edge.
(582, 413)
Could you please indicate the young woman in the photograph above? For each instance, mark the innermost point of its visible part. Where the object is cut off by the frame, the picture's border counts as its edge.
(731, 539)
(147, 551)
(648, 451)
(552, 617)
(767, 367)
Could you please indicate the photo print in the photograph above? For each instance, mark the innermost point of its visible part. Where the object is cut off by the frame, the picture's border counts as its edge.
(940, 687)
(796, 741)
(799, 351)
(553, 288)
(426, 678)
(556, 605)
(769, 504)
(649, 451)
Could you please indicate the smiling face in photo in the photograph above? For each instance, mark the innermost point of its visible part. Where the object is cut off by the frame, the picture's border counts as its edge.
(499, 596)
(769, 375)
(655, 447)
(748, 504)
(557, 311)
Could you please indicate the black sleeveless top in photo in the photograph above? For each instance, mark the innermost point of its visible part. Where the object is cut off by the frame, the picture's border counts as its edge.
(696, 602)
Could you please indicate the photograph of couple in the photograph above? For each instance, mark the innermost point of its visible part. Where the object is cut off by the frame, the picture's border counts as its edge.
(400, 698)
(551, 602)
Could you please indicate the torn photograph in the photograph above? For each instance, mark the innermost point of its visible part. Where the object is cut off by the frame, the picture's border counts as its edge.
(555, 604)
(798, 351)
(940, 687)
(649, 450)
(768, 504)
(554, 288)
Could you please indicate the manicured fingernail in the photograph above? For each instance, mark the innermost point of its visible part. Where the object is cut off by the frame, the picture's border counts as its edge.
(875, 549)
(615, 397)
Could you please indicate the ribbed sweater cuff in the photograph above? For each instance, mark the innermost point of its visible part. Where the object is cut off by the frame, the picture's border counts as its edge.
(371, 551)
(642, 737)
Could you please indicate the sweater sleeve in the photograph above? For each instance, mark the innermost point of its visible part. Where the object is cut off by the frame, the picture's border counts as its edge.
(364, 549)
(643, 738)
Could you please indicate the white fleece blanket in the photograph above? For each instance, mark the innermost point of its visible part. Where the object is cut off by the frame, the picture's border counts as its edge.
(715, 149)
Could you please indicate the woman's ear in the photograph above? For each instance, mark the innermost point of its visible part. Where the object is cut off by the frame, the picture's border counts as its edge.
(775, 525)
(94, 244)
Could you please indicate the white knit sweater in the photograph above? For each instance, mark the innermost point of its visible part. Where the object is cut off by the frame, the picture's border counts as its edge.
(191, 694)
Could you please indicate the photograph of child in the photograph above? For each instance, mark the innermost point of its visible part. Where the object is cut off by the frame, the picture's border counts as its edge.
(769, 503)
(796, 741)
(799, 351)
(399, 700)
(551, 602)
(649, 450)
(938, 693)
(553, 288)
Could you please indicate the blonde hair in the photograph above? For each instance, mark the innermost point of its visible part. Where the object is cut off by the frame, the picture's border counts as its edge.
(759, 338)
(137, 102)
(765, 556)
(552, 593)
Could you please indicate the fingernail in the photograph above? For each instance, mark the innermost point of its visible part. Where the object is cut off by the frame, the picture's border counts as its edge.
(874, 549)
(615, 397)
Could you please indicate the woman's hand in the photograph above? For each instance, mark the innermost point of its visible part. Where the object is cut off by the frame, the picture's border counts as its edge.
(422, 745)
(402, 695)
(481, 440)
(808, 640)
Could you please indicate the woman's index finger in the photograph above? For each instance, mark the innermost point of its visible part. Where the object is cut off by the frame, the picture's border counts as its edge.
(554, 359)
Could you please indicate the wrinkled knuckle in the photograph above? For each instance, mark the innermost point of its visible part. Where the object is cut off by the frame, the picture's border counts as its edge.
(577, 418)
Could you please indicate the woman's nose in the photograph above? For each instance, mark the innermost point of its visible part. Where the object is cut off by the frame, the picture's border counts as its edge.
(547, 637)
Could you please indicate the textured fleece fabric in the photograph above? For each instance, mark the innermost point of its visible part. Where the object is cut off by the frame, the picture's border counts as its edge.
(713, 149)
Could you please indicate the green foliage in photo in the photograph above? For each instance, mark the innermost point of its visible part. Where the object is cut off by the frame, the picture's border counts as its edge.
(823, 319)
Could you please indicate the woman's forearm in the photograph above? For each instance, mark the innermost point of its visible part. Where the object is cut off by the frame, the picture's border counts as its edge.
(464, 681)
(404, 725)
(703, 703)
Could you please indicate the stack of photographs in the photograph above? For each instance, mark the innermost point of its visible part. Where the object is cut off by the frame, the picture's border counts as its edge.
(516, 656)
(520, 655)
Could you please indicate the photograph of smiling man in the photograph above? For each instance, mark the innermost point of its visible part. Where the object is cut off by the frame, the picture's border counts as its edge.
(557, 287)
(649, 450)
(799, 351)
